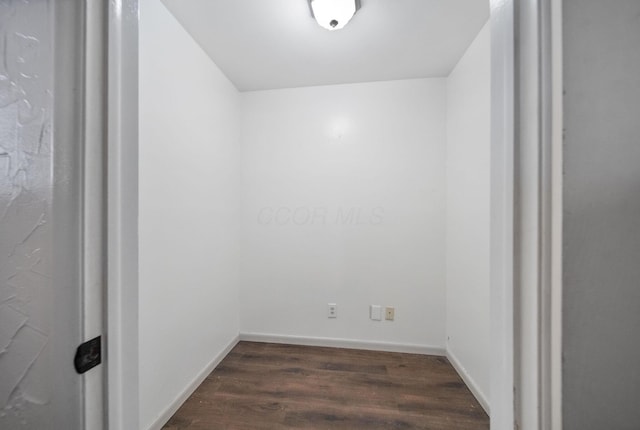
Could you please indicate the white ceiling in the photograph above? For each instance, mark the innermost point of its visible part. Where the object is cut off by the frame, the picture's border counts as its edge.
(268, 44)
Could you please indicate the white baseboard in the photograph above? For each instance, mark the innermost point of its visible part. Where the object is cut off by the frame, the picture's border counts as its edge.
(469, 381)
(343, 343)
(193, 385)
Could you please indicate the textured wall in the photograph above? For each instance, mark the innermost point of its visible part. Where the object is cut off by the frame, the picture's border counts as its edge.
(26, 194)
(601, 363)
(39, 310)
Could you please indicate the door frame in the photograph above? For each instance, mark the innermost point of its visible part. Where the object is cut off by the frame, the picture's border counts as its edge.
(122, 214)
(94, 204)
(526, 214)
(526, 230)
(502, 213)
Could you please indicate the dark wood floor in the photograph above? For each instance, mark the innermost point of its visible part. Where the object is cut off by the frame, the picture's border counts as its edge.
(270, 386)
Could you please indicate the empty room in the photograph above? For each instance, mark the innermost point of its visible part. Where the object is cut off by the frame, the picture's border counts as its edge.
(314, 214)
(319, 214)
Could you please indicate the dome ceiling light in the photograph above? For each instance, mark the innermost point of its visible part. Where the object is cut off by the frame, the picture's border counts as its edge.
(333, 14)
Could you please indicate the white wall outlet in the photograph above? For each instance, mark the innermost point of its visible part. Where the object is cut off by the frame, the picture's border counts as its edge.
(375, 312)
(390, 313)
(332, 310)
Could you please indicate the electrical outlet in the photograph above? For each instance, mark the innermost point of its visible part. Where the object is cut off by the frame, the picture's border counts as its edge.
(332, 310)
(390, 313)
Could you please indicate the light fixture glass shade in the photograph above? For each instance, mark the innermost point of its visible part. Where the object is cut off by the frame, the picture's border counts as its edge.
(333, 14)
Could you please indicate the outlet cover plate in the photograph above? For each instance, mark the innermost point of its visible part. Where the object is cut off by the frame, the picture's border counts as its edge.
(390, 313)
(375, 312)
(332, 310)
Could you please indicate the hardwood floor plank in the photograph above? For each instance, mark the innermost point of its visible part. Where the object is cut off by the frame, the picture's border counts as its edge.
(276, 386)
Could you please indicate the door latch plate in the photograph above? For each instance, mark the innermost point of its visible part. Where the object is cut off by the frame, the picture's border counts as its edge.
(88, 355)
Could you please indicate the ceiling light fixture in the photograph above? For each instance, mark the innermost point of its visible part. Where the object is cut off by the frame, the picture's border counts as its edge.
(333, 14)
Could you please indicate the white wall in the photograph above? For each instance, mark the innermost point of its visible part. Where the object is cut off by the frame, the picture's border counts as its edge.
(601, 237)
(467, 215)
(188, 225)
(312, 155)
